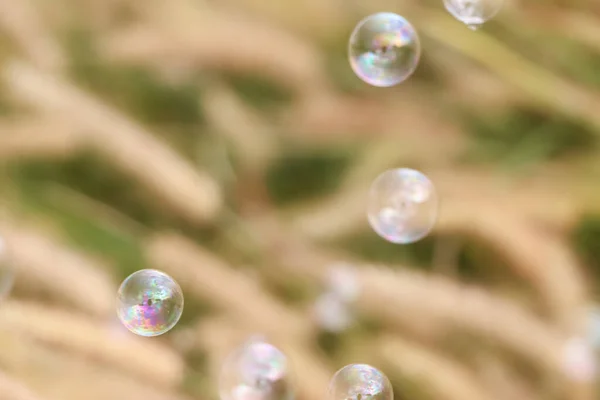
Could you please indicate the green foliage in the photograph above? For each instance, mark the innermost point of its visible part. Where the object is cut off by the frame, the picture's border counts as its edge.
(339, 70)
(139, 91)
(86, 231)
(370, 247)
(329, 342)
(304, 175)
(519, 136)
(586, 238)
(258, 91)
(95, 179)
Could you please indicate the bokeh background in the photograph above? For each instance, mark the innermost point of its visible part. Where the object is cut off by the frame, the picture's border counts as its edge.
(229, 144)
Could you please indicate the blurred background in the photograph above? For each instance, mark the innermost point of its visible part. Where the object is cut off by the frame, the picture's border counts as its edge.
(229, 144)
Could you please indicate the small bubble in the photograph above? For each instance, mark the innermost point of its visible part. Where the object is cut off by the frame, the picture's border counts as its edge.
(579, 362)
(384, 49)
(149, 303)
(332, 314)
(473, 13)
(360, 382)
(255, 371)
(402, 205)
(343, 282)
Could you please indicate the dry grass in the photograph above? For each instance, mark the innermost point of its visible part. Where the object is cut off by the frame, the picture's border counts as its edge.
(258, 264)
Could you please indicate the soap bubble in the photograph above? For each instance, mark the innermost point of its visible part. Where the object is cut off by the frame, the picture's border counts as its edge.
(256, 371)
(384, 49)
(360, 382)
(149, 303)
(402, 205)
(473, 13)
(332, 313)
(579, 362)
(343, 282)
(7, 272)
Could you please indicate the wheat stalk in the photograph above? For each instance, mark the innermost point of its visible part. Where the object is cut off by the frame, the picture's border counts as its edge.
(66, 274)
(149, 361)
(209, 38)
(210, 277)
(39, 138)
(246, 130)
(126, 144)
(21, 19)
(11, 389)
(444, 378)
(542, 86)
(502, 380)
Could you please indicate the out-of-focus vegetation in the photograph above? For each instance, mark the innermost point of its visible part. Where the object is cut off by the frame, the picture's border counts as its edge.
(229, 144)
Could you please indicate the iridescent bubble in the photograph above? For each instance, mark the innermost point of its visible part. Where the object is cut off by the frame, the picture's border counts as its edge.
(402, 205)
(256, 371)
(360, 382)
(7, 272)
(473, 13)
(384, 49)
(149, 303)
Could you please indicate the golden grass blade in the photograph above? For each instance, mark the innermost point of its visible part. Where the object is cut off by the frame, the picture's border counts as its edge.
(403, 297)
(250, 135)
(40, 138)
(60, 375)
(146, 360)
(212, 279)
(502, 380)
(205, 37)
(394, 295)
(22, 20)
(584, 28)
(11, 389)
(65, 274)
(539, 84)
(136, 152)
(444, 379)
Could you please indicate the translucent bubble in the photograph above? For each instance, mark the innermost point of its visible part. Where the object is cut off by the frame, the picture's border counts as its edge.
(149, 303)
(343, 282)
(402, 205)
(256, 371)
(360, 382)
(473, 13)
(579, 362)
(384, 49)
(332, 314)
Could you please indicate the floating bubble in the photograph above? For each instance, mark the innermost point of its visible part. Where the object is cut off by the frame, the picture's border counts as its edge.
(256, 371)
(7, 272)
(402, 205)
(149, 303)
(332, 313)
(579, 362)
(360, 382)
(473, 13)
(384, 49)
(343, 282)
